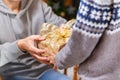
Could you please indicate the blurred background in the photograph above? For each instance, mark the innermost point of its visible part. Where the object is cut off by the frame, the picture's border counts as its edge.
(64, 8)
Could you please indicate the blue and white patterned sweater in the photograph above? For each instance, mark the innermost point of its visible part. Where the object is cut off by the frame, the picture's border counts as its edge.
(95, 41)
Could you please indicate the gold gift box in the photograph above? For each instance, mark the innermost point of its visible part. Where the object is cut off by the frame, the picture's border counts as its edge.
(55, 37)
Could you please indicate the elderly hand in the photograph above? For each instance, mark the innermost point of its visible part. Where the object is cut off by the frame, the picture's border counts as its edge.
(28, 45)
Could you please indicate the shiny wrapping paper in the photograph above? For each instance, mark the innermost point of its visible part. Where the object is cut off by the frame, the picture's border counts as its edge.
(55, 37)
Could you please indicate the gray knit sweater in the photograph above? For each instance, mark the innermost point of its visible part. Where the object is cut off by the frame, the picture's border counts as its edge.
(95, 41)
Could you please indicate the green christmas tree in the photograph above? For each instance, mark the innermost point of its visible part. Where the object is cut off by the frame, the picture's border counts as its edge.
(60, 9)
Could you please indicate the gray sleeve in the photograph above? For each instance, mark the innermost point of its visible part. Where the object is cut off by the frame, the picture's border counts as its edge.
(86, 34)
(78, 49)
(9, 52)
(51, 17)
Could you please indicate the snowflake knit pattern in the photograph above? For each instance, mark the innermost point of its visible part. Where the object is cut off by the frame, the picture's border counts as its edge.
(93, 18)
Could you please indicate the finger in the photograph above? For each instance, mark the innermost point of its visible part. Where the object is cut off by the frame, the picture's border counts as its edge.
(49, 52)
(46, 62)
(62, 26)
(38, 37)
(55, 67)
(37, 51)
(42, 59)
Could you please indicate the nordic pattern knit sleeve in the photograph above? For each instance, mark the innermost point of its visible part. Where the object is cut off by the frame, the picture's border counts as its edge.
(91, 22)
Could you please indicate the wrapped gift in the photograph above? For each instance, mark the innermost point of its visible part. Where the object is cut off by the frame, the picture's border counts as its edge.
(55, 37)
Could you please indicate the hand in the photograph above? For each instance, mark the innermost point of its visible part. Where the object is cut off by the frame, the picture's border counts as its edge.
(28, 45)
(62, 25)
(52, 58)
